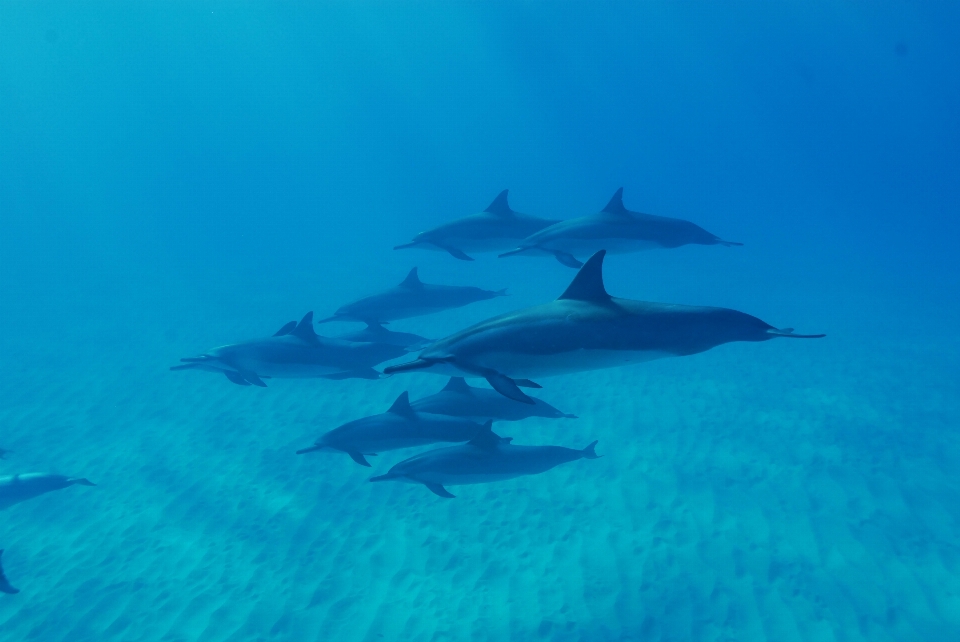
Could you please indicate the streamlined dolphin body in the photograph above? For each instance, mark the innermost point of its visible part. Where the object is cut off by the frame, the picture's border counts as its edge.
(495, 229)
(585, 329)
(399, 427)
(412, 298)
(5, 586)
(616, 229)
(485, 458)
(295, 351)
(19, 488)
(457, 399)
(376, 333)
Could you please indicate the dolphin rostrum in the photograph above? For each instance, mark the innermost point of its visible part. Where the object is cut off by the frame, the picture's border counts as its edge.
(616, 229)
(5, 586)
(585, 329)
(458, 399)
(19, 488)
(295, 351)
(376, 333)
(485, 458)
(495, 229)
(412, 298)
(400, 427)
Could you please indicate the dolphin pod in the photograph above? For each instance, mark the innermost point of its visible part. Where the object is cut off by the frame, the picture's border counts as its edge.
(495, 229)
(616, 229)
(584, 329)
(411, 298)
(485, 458)
(19, 488)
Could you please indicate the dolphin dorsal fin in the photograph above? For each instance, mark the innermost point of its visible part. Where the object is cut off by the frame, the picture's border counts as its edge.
(304, 329)
(485, 437)
(615, 206)
(457, 384)
(286, 329)
(499, 206)
(588, 284)
(412, 280)
(402, 406)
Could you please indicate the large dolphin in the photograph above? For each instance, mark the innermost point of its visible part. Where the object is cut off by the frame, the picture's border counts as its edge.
(19, 488)
(615, 229)
(376, 333)
(585, 329)
(412, 298)
(5, 586)
(485, 458)
(457, 399)
(399, 427)
(495, 229)
(295, 351)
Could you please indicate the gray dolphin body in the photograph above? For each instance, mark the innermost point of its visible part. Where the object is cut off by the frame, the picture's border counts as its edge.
(399, 427)
(585, 329)
(495, 229)
(615, 229)
(5, 586)
(457, 399)
(412, 298)
(295, 351)
(19, 488)
(485, 458)
(376, 333)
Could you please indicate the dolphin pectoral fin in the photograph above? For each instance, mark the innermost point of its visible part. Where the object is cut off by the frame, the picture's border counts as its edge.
(456, 253)
(235, 377)
(787, 333)
(440, 491)
(252, 377)
(568, 259)
(507, 387)
(358, 457)
(526, 383)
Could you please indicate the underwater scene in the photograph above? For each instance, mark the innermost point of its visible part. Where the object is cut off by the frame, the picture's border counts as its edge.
(445, 321)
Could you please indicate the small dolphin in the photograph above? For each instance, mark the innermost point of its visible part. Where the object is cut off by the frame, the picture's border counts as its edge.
(399, 427)
(19, 488)
(295, 351)
(485, 458)
(376, 333)
(412, 298)
(457, 399)
(495, 229)
(585, 329)
(5, 586)
(616, 229)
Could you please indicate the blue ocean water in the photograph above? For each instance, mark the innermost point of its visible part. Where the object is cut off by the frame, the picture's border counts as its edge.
(179, 176)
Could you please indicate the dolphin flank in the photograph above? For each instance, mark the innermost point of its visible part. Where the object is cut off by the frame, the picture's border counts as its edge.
(584, 329)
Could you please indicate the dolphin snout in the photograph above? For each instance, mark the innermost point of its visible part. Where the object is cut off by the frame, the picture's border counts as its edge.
(419, 364)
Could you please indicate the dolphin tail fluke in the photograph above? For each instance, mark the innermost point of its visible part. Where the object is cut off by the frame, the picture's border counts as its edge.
(568, 259)
(526, 383)
(507, 387)
(314, 448)
(82, 481)
(440, 491)
(787, 333)
(590, 453)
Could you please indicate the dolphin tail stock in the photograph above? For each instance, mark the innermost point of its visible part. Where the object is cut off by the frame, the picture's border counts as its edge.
(787, 333)
(82, 481)
(589, 452)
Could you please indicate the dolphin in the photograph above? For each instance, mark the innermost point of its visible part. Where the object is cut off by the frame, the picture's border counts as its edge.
(294, 351)
(398, 427)
(616, 229)
(485, 458)
(5, 586)
(495, 229)
(412, 298)
(19, 488)
(457, 399)
(585, 329)
(376, 333)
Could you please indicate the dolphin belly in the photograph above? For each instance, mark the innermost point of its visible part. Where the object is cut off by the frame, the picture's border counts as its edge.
(454, 479)
(288, 370)
(584, 246)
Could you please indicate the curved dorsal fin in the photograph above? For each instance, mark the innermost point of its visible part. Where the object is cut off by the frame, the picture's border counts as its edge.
(457, 384)
(615, 206)
(412, 280)
(304, 329)
(402, 406)
(486, 438)
(588, 284)
(286, 329)
(499, 206)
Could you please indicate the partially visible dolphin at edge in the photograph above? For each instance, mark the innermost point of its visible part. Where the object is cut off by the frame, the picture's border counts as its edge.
(411, 298)
(585, 329)
(294, 351)
(495, 229)
(376, 333)
(615, 229)
(457, 399)
(485, 458)
(19, 488)
(400, 427)
(5, 585)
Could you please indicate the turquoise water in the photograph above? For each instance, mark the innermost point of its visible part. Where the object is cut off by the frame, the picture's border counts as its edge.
(175, 177)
